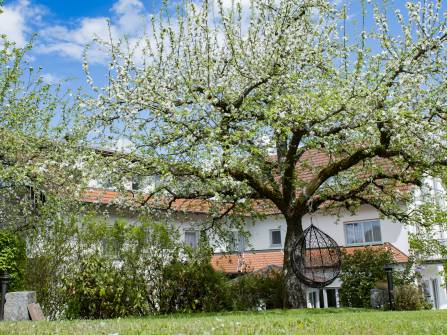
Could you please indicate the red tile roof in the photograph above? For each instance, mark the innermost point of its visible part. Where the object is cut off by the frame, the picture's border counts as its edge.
(310, 160)
(256, 260)
(398, 255)
(247, 261)
(103, 196)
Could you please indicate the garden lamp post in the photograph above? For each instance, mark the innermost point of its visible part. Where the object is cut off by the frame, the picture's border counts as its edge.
(389, 277)
(4, 280)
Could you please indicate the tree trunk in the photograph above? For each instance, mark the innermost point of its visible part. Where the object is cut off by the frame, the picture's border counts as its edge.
(295, 291)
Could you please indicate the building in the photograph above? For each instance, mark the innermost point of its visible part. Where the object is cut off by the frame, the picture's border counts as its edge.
(264, 245)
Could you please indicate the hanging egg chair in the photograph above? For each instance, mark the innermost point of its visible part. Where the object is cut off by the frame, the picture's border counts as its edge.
(316, 258)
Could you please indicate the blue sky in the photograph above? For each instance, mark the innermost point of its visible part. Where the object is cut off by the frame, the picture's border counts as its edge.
(64, 27)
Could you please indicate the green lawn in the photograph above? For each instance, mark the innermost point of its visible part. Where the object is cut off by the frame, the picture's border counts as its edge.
(328, 321)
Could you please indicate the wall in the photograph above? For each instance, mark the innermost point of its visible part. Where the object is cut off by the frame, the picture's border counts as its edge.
(434, 274)
(392, 232)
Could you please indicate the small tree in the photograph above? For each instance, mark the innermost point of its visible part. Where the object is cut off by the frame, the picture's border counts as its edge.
(39, 164)
(231, 104)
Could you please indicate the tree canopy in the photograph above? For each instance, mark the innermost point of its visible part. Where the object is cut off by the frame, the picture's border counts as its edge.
(233, 103)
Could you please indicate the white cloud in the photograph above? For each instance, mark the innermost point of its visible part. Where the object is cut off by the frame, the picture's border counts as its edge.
(50, 78)
(127, 19)
(14, 21)
(71, 42)
(228, 4)
(130, 14)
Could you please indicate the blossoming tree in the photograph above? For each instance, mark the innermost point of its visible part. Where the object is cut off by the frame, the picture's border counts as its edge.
(36, 164)
(226, 103)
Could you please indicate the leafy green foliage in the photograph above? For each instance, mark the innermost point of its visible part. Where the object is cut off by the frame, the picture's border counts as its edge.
(101, 270)
(408, 297)
(38, 163)
(193, 286)
(360, 272)
(98, 289)
(12, 258)
(258, 289)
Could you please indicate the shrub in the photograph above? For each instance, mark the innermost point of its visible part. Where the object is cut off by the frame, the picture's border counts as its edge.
(193, 286)
(12, 258)
(103, 271)
(252, 290)
(51, 255)
(99, 289)
(408, 297)
(41, 276)
(359, 274)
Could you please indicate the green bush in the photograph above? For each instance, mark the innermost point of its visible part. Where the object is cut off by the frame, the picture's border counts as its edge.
(41, 276)
(99, 270)
(360, 272)
(408, 298)
(99, 289)
(12, 258)
(252, 290)
(193, 286)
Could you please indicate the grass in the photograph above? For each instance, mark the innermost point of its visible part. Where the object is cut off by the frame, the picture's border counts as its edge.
(325, 321)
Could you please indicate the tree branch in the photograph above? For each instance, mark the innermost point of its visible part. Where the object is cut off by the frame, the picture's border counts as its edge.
(314, 204)
(288, 177)
(258, 186)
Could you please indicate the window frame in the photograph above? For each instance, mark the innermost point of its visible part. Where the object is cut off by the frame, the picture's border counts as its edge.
(439, 194)
(111, 248)
(273, 245)
(362, 224)
(235, 243)
(197, 237)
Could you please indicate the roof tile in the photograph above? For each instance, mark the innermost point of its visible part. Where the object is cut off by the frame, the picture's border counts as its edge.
(257, 260)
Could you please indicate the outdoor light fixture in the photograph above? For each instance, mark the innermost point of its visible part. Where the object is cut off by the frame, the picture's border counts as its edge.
(389, 277)
(4, 280)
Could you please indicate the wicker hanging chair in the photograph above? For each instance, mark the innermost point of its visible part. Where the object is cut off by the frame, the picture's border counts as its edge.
(316, 258)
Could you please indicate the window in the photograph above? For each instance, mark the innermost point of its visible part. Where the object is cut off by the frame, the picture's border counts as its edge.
(111, 247)
(192, 238)
(439, 194)
(152, 182)
(107, 183)
(237, 242)
(137, 183)
(275, 237)
(363, 232)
